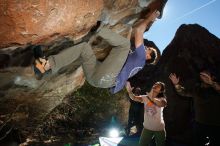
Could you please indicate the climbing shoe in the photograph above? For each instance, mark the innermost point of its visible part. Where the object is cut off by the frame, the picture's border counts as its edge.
(41, 64)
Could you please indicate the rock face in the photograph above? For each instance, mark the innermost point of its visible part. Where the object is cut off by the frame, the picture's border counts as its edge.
(34, 22)
(25, 22)
(39, 21)
(192, 49)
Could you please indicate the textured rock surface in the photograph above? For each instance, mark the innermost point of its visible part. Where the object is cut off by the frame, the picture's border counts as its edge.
(39, 21)
(192, 49)
(25, 22)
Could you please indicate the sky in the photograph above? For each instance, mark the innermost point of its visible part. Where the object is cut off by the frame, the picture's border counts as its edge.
(203, 12)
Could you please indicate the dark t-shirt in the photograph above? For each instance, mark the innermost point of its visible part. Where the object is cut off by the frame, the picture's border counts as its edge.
(206, 104)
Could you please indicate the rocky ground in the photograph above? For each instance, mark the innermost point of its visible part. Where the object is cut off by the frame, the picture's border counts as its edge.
(80, 118)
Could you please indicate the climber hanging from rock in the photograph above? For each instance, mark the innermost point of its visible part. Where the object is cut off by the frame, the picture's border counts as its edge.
(119, 65)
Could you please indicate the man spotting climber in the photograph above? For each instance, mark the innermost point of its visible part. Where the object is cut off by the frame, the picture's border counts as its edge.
(119, 65)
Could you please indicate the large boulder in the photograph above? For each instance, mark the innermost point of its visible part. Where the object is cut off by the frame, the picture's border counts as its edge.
(31, 22)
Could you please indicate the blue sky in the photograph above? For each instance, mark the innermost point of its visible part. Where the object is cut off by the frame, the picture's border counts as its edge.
(203, 12)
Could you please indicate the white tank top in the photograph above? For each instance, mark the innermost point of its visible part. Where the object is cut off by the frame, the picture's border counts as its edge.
(153, 117)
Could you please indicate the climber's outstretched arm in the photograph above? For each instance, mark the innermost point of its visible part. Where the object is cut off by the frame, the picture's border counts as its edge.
(141, 27)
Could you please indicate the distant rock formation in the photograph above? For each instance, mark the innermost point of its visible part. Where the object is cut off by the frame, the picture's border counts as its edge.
(192, 49)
